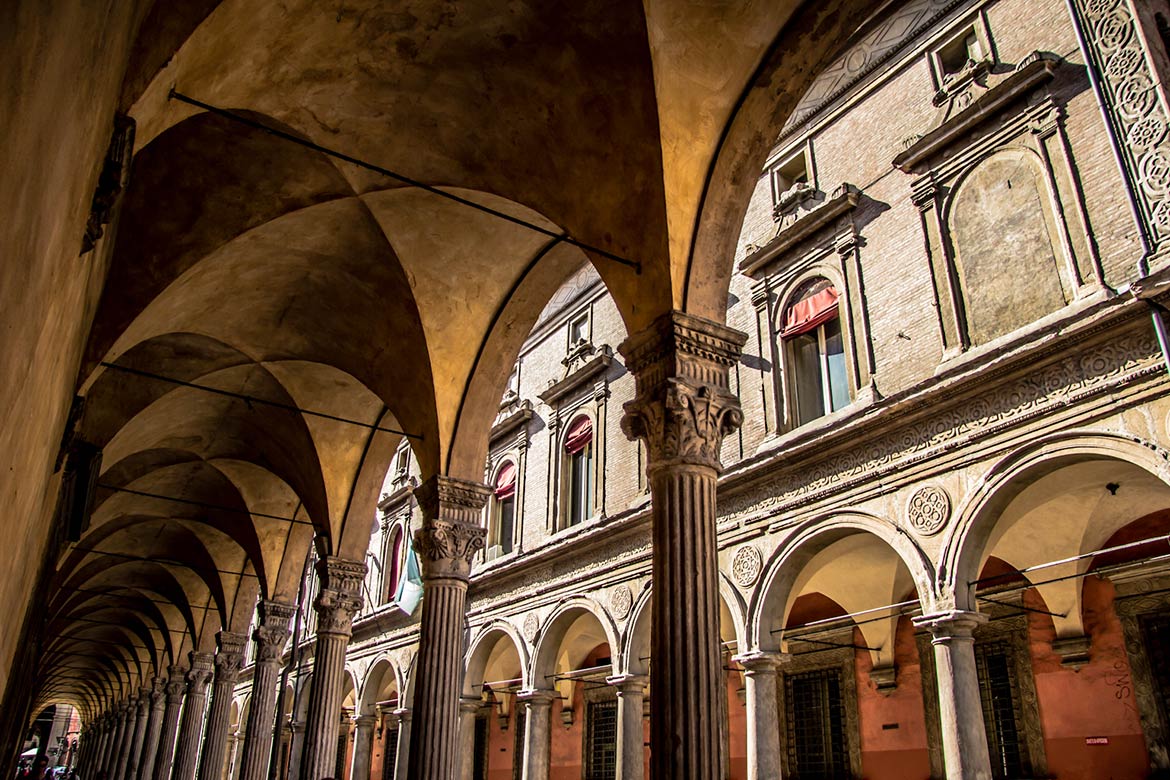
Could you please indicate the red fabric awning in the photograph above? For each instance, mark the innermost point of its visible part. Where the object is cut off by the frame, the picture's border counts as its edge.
(579, 435)
(808, 313)
(506, 481)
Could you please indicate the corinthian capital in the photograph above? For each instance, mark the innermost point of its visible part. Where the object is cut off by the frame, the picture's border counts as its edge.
(271, 633)
(451, 534)
(683, 407)
(340, 597)
(229, 656)
(202, 667)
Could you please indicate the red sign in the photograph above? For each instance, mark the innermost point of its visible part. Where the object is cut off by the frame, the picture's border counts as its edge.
(1096, 740)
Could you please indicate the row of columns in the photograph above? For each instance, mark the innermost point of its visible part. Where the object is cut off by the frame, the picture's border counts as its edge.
(682, 410)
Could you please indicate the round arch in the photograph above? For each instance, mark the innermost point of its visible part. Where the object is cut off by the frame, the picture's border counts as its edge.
(485, 651)
(555, 630)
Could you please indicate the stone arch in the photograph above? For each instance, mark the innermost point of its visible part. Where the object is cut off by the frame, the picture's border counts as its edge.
(796, 560)
(382, 674)
(553, 633)
(1026, 482)
(482, 652)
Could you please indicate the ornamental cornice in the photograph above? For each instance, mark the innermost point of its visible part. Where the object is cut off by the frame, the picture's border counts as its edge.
(842, 201)
(341, 575)
(451, 499)
(595, 365)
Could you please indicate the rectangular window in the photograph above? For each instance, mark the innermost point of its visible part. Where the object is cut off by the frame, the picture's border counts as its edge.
(578, 330)
(817, 747)
(837, 382)
(601, 740)
(479, 767)
(581, 485)
(998, 693)
(507, 522)
(518, 743)
(389, 752)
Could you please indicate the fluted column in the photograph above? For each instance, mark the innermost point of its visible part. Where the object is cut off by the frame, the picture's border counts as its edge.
(158, 703)
(402, 754)
(337, 602)
(964, 738)
(165, 755)
(468, 709)
(191, 725)
(270, 636)
(101, 731)
(447, 542)
(631, 756)
(139, 739)
(363, 747)
(125, 737)
(537, 731)
(682, 409)
(228, 656)
(109, 729)
(763, 713)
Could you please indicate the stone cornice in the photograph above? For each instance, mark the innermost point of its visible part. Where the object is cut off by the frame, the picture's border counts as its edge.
(513, 420)
(843, 200)
(1034, 70)
(589, 369)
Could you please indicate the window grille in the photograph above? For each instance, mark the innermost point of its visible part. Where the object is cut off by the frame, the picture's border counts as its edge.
(601, 740)
(518, 745)
(342, 746)
(1156, 631)
(480, 763)
(389, 752)
(1001, 707)
(817, 746)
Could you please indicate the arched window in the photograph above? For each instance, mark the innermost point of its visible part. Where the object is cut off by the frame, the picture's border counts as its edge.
(579, 471)
(391, 566)
(811, 331)
(504, 525)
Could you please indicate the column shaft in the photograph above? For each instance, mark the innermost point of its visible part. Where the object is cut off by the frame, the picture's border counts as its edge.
(964, 737)
(447, 542)
(191, 725)
(125, 738)
(763, 714)
(168, 734)
(631, 757)
(537, 732)
(468, 709)
(227, 670)
(402, 755)
(682, 409)
(337, 602)
(363, 747)
(270, 637)
(154, 724)
(139, 739)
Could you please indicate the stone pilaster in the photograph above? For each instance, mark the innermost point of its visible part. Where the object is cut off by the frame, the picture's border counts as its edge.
(125, 737)
(537, 731)
(402, 756)
(338, 600)
(363, 746)
(763, 713)
(173, 691)
(139, 738)
(682, 409)
(270, 637)
(964, 738)
(631, 756)
(446, 544)
(228, 657)
(468, 709)
(191, 725)
(157, 704)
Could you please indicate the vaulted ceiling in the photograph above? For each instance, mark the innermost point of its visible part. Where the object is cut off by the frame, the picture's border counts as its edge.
(251, 265)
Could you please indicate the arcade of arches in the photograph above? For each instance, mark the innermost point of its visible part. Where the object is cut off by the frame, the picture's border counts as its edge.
(752, 390)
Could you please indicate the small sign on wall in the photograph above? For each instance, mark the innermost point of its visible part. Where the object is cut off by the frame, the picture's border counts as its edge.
(1096, 740)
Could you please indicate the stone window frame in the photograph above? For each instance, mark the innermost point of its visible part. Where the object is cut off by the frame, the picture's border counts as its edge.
(947, 86)
(516, 454)
(394, 529)
(560, 488)
(584, 313)
(1138, 593)
(803, 150)
(1006, 624)
(1019, 113)
(808, 657)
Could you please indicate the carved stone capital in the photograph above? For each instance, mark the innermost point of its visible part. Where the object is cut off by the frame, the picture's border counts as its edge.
(683, 407)
(144, 700)
(451, 534)
(158, 697)
(452, 500)
(537, 698)
(762, 662)
(953, 624)
(230, 655)
(175, 684)
(272, 630)
(470, 705)
(200, 673)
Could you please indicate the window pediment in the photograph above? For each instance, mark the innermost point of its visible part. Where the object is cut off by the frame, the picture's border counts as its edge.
(601, 360)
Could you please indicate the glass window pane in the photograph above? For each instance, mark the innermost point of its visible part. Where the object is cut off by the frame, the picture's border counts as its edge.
(806, 379)
(580, 485)
(835, 365)
(507, 521)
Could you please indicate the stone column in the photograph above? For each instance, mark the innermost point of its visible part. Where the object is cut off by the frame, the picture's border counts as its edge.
(402, 754)
(631, 757)
(228, 657)
(337, 602)
(363, 747)
(468, 709)
(763, 713)
(170, 724)
(682, 409)
(191, 726)
(234, 740)
(447, 542)
(270, 636)
(158, 703)
(139, 738)
(537, 731)
(102, 732)
(964, 738)
(125, 737)
(109, 732)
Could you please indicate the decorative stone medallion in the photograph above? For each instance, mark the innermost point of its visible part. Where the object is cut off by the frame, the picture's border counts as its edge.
(620, 601)
(928, 510)
(531, 626)
(746, 565)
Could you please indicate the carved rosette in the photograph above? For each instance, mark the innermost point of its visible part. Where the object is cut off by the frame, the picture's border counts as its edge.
(683, 407)
(746, 565)
(451, 535)
(531, 627)
(928, 510)
(620, 601)
(340, 597)
(272, 632)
